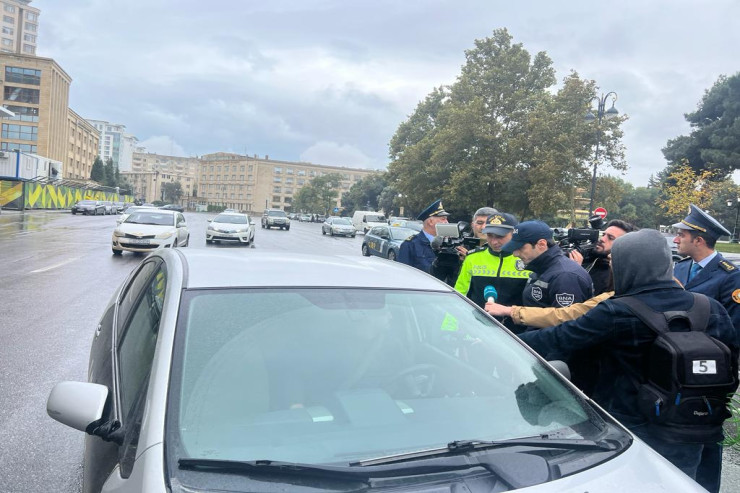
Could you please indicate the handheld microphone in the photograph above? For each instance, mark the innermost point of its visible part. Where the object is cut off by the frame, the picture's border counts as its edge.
(490, 293)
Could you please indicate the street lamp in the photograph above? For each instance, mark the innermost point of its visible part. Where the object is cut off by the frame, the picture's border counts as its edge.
(590, 117)
(734, 238)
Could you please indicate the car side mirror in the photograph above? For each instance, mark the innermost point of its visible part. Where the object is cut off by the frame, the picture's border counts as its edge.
(251, 222)
(210, 220)
(181, 224)
(77, 404)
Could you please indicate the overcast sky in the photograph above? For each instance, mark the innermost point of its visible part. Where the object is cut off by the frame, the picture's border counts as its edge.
(329, 81)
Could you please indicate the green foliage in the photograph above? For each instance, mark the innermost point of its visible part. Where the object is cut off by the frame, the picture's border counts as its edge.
(216, 208)
(366, 191)
(172, 191)
(98, 170)
(732, 425)
(319, 195)
(714, 142)
(500, 136)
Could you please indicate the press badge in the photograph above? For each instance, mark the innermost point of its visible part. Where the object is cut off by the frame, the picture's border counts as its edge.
(705, 367)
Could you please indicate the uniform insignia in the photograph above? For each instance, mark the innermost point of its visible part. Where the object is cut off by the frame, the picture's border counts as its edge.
(410, 238)
(727, 266)
(736, 296)
(565, 299)
(537, 293)
(520, 264)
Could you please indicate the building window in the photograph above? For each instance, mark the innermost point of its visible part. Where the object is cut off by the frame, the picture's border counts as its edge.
(277, 179)
(31, 38)
(11, 146)
(289, 180)
(276, 189)
(242, 168)
(20, 132)
(276, 198)
(30, 27)
(288, 190)
(9, 8)
(8, 30)
(277, 170)
(22, 95)
(301, 181)
(31, 16)
(7, 42)
(23, 113)
(30, 49)
(8, 19)
(301, 172)
(289, 171)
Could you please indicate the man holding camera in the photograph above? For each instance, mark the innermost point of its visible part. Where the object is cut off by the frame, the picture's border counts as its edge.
(417, 251)
(489, 266)
(597, 262)
(555, 280)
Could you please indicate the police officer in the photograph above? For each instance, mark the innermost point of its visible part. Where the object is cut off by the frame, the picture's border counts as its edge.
(489, 266)
(705, 271)
(555, 280)
(417, 251)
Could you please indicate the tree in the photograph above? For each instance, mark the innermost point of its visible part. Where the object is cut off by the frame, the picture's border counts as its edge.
(366, 191)
(98, 170)
(319, 195)
(110, 173)
(684, 187)
(172, 191)
(714, 142)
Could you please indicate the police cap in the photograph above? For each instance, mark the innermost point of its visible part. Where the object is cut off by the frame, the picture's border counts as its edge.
(500, 224)
(527, 232)
(701, 222)
(434, 210)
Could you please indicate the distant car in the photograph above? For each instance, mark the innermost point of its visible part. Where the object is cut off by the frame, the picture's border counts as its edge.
(304, 218)
(218, 371)
(89, 207)
(173, 207)
(120, 206)
(230, 226)
(147, 230)
(364, 220)
(393, 219)
(110, 207)
(320, 218)
(275, 218)
(408, 224)
(338, 226)
(385, 241)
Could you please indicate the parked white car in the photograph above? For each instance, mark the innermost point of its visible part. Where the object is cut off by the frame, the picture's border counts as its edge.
(230, 226)
(147, 230)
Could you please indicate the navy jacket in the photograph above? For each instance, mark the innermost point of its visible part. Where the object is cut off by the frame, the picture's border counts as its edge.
(719, 280)
(556, 281)
(417, 252)
(624, 342)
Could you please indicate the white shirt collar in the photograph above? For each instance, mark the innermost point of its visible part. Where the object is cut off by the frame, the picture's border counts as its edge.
(707, 259)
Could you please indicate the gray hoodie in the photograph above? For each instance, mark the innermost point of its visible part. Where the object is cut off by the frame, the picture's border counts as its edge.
(641, 260)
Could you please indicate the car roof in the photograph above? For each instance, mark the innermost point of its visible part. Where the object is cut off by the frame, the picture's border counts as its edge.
(209, 268)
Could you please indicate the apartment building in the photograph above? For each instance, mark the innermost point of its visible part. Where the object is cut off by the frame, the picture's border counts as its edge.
(149, 172)
(252, 184)
(83, 141)
(19, 27)
(115, 144)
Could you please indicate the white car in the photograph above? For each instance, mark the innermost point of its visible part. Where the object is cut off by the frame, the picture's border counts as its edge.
(230, 227)
(147, 230)
(133, 209)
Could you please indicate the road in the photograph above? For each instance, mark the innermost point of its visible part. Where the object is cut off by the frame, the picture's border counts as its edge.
(57, 274)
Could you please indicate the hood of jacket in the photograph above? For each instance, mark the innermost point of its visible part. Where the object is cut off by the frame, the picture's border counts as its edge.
(641, 261)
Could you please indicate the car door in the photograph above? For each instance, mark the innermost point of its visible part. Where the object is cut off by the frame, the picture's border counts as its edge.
(385, 237)
(102, 457)
(373, 240)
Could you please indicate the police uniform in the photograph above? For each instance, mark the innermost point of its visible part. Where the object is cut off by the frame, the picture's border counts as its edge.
(720, 280)
(417, 251)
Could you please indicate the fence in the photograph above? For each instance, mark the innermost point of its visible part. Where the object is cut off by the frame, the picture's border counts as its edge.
(42, 194)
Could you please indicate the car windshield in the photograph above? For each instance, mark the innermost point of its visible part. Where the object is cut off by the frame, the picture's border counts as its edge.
(330, 376)
(276, 213)
(230, 219)
(401, 233)
(374, 218)
(86, 202)
(155, 218)
(342, 221)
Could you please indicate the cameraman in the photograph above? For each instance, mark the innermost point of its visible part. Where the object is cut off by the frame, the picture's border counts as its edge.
(417, 251)
(597, 262)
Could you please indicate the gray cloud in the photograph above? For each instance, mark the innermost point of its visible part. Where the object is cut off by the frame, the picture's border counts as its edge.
(332, 80)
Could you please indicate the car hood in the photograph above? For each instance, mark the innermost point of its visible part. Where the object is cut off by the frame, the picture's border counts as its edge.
(144, 229)
(214, 224)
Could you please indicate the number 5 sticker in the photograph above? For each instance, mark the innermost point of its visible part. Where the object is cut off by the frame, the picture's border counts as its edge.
(705, 367)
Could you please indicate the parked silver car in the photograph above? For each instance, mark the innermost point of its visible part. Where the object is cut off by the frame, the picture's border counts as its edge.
(216, 371)
(88, 207)
(340, 226)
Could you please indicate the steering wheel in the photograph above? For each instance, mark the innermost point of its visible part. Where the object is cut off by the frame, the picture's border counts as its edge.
(418, 380)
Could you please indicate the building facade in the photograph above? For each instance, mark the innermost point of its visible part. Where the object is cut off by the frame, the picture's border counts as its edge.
(20, 26)
(37, 90)
(149, 173)
(252, 184)
(83, 140)
(115, 144)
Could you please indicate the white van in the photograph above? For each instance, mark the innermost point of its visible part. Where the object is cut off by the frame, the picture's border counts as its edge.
(364, 220)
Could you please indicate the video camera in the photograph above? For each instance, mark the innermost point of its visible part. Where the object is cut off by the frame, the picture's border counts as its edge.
(449, 237)
(583, 240)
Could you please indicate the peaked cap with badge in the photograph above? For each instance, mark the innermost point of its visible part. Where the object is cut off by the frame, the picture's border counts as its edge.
(701, 222)
(435, 209)
(500, 224)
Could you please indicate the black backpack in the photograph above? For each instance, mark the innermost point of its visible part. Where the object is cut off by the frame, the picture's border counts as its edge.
(689, 377)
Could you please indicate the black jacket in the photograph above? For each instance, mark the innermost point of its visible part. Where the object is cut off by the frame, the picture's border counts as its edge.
(556, 281)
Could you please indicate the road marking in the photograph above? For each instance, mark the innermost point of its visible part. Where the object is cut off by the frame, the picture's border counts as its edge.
(54, 266)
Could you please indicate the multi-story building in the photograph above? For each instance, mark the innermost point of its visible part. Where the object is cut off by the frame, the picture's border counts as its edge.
(150, 172)
(252, 184)
(83, 141)
(37, 90)
(115, 144)
(20, 26)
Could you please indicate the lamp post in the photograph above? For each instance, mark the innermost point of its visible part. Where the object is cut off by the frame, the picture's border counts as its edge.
(734, 238)
(600, 115)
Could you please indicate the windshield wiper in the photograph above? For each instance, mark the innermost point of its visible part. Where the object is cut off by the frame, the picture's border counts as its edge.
(467, 446)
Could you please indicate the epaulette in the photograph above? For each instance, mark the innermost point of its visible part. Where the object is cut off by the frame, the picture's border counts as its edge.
(727, 266)
(410, 238)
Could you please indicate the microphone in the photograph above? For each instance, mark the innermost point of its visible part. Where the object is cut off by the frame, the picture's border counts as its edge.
(490, 294)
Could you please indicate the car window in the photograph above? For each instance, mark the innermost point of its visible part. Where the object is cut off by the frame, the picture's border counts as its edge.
(401, 233)
(135, 354)
(151, 218)
(277, 213)
(230, 219)
(341, 220)
(376, 231)
(132, 292)
(336, 375)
